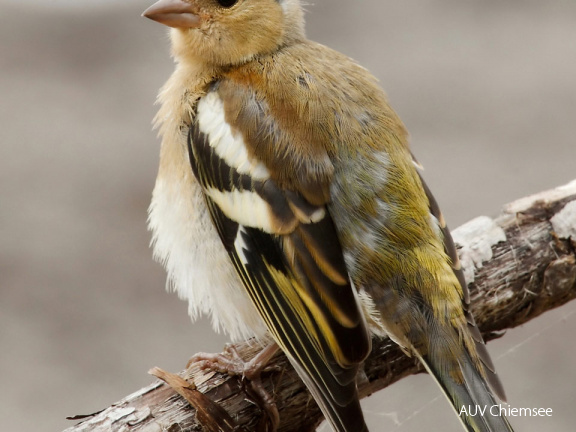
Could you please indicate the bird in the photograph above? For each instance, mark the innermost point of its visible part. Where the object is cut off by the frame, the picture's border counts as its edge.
(289, 207)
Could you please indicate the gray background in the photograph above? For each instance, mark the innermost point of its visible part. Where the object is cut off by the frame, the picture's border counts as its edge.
(487, 89)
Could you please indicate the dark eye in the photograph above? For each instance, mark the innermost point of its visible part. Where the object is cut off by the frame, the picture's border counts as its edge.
(227, 3)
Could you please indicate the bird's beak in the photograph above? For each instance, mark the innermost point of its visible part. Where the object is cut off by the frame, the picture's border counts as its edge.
(173, 13)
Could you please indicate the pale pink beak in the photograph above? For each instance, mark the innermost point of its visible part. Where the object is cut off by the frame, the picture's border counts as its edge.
(173, 13)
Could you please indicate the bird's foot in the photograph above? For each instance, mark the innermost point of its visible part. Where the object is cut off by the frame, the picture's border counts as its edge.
(230, 362)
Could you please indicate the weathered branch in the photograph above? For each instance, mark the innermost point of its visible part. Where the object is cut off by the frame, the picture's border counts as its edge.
(520, 265)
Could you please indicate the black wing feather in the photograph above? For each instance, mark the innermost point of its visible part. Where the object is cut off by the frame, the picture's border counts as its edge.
(297, 281)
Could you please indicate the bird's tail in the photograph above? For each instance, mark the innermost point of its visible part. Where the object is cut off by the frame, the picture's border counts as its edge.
(343, 415)
(472, 399)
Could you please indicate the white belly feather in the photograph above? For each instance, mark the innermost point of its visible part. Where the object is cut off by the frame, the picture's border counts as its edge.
(188, 245)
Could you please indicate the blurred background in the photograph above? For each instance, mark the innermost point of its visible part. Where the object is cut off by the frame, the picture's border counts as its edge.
(487, 89)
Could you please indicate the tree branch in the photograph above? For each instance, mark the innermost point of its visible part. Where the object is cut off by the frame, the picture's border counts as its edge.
(519, 265)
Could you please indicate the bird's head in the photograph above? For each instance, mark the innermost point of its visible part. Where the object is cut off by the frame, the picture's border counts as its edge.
(228, 32)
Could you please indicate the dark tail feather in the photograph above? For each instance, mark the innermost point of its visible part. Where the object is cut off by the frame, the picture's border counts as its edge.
(471, 399)
(343, 417)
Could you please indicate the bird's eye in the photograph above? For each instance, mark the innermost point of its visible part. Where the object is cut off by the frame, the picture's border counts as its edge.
(227, 3)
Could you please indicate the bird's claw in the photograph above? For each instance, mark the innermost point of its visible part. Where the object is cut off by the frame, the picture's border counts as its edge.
(230, 362)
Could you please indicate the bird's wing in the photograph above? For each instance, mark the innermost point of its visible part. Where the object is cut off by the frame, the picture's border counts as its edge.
(284, 246)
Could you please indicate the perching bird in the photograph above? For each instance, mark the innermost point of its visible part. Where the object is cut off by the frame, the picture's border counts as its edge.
(288, 205)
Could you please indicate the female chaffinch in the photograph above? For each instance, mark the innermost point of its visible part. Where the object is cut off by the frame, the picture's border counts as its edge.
(288, 205)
